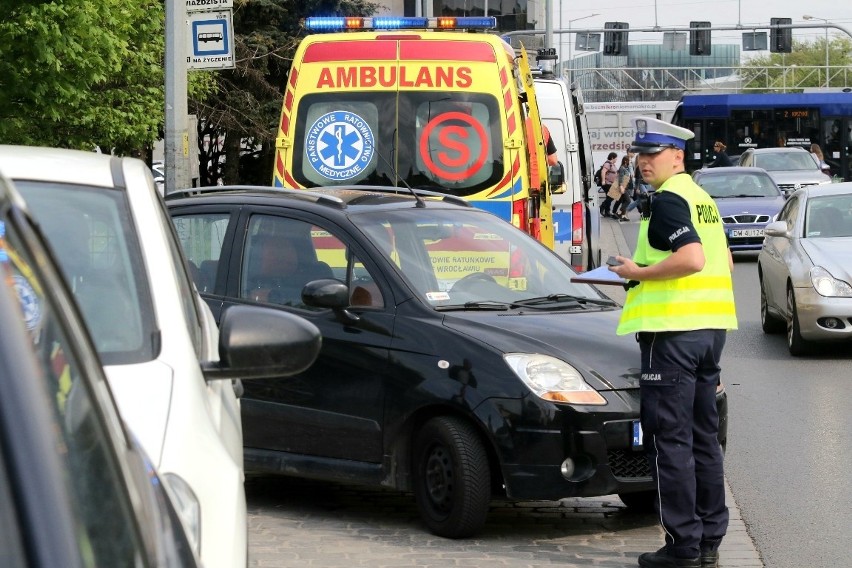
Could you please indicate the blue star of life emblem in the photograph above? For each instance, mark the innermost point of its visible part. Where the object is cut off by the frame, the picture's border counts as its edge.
(340, 145)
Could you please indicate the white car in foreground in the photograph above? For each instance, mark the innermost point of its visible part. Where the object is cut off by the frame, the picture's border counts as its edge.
(156, 338)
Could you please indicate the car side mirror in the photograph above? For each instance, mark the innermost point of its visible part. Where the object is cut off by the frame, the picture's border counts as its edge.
(332, 294)
(257, 343)
(777, 229)
(556, 175)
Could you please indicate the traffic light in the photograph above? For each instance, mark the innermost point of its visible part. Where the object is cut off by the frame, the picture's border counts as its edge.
(699, 40)
(782, 38)
(615, 42)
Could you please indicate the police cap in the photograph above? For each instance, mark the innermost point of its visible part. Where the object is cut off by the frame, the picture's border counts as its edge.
(654, 135)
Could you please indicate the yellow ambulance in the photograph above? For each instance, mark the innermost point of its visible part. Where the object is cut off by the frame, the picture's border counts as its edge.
(419, 103)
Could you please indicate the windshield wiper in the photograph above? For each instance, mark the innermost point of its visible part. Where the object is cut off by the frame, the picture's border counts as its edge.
(480, 305)
(557, 298)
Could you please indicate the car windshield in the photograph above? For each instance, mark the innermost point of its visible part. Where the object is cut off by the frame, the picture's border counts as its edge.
(829, 216)
(93, 239)
(470, 258)
(785, 161)
(738, 185)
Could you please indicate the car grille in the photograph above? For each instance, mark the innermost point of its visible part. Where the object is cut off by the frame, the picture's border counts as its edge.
(627, 464)
(791, 187)
(745, 219)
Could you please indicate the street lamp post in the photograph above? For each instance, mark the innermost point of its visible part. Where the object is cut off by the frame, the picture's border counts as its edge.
(569, 61)
(806, 17)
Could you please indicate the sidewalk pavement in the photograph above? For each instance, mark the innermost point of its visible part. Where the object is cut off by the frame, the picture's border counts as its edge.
(737, 549)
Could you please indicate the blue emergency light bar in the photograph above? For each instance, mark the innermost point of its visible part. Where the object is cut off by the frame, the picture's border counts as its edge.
(337, 24)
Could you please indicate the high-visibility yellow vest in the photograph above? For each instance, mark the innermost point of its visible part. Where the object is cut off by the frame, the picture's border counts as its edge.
(704, 300)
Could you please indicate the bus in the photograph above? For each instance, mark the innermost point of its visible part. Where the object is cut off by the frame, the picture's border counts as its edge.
(412, 103)
(763, 120)
(611, 128)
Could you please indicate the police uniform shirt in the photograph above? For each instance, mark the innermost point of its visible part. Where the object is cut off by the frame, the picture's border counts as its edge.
(670, 226)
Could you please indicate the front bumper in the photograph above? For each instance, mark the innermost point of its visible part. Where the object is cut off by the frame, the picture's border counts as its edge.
(597, 440)
(816, 314)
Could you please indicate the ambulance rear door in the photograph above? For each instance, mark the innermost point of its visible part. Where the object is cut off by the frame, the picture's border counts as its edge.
(541, 208)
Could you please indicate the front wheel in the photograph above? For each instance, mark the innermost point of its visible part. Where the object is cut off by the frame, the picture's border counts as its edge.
(795, 343)
(768, 321)
(451, 477)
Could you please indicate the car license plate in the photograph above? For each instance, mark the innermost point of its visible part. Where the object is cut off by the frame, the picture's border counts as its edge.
(746, 233)
(637, 435)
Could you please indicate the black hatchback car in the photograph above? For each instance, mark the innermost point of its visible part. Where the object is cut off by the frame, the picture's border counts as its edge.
(458, 360)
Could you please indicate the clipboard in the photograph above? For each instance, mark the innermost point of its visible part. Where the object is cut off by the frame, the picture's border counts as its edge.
(600, 275)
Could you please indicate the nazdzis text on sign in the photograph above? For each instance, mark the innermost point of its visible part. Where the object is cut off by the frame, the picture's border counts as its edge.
(197, 5)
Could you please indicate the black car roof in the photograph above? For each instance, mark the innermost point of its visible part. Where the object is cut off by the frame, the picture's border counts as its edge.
(350, 198)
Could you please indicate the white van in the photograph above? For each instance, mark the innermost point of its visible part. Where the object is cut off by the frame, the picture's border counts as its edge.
(576, 222)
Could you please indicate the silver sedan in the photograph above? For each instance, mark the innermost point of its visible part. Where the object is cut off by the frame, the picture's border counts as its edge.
(805, 268)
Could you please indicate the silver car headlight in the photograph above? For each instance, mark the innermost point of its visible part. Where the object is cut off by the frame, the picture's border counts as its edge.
(827, 285)
(187, 506)
(552, 379)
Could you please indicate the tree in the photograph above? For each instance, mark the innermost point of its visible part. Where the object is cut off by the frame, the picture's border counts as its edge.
(84, 74)
(237, 127)
(806, 62)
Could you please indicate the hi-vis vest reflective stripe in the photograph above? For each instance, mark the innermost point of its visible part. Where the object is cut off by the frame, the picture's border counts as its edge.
(704, 300)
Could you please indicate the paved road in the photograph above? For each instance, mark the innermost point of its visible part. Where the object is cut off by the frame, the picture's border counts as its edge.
(302, 523)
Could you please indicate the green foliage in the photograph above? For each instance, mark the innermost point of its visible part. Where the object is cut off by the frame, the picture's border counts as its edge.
(804, 67)
(84, 73)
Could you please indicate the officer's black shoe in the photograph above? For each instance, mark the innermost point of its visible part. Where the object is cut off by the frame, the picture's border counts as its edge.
(662, 559)
(709, 559)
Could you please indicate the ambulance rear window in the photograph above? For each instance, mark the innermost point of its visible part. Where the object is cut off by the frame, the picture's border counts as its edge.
(457, 141)
(443, 141)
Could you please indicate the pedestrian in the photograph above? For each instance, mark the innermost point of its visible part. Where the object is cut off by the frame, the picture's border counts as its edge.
(609, 174)
(641, 190)
(721, 159)
(622, 188)
(680, 304)
(820, 159)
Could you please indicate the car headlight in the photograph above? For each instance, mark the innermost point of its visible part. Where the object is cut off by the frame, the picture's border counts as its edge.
(187, 506)
(827, 285)
(552, 379)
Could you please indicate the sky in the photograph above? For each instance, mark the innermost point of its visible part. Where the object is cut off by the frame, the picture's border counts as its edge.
(678, 13)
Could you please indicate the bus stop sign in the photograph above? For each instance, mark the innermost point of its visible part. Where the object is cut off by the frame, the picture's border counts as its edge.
(210, 40)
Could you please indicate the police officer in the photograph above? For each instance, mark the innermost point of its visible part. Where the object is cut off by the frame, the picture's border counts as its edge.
(680, 307)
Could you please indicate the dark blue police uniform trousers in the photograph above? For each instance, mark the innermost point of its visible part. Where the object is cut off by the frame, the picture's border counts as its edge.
(680, 424)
